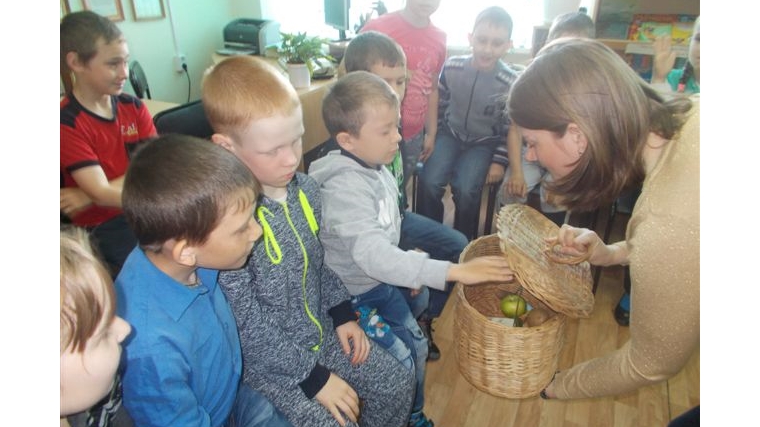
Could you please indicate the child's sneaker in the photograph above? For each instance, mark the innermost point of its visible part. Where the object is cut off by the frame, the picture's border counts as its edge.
(434, 353)
(623, 310)
(418, 419)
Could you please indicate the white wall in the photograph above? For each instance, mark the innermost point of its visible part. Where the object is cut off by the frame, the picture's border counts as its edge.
(198, 27)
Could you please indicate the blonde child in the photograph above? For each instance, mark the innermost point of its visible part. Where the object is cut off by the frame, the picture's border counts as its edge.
(91, 336)
(302, 345)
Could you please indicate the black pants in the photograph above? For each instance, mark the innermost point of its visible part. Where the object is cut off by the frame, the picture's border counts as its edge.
(689, 418)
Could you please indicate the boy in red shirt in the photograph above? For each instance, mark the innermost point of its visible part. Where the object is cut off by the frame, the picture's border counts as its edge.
(100, 127)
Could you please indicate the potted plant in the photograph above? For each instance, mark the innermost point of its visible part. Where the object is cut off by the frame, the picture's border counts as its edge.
(300, 52)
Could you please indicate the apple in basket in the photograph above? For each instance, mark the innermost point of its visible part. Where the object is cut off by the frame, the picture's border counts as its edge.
(513, 306)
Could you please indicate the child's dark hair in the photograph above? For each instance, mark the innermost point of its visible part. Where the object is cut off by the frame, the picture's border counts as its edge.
(576, 24)
(495, 16)
(688, 71)
(344, 108)
(80, 32)
(370, 48)
(179, 187)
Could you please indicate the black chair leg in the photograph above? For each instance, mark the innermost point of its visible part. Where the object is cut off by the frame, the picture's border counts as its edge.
(414, 192)
(490, 207)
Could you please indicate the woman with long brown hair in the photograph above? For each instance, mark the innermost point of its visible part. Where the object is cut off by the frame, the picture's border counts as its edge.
(599, 128)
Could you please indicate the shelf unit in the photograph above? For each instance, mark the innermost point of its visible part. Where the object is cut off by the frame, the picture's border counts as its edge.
(632, 7)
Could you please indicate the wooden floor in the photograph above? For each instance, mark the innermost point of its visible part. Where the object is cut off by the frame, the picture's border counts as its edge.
(450, 401)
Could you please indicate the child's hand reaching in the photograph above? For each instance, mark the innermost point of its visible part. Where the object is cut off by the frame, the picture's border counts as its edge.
(492, 268)
(340, 399)
(351, 334)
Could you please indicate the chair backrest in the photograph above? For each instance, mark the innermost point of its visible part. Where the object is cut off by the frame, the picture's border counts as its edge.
(186, 119)
(138, 80)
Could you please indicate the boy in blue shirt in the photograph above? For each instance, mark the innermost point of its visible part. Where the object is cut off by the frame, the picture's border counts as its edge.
(190, 204)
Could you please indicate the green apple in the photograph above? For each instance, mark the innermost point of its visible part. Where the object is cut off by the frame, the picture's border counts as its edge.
(513, 306)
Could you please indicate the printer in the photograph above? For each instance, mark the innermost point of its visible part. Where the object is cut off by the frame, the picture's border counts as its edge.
(250, 36)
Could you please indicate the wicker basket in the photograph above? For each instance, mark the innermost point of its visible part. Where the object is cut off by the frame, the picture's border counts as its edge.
(501, 360)
(518, 362)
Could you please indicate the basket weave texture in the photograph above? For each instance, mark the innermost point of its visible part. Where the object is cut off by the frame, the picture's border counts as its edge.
(502, 360)
(563, 287)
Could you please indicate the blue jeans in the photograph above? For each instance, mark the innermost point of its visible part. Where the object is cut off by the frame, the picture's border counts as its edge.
(462, 166)
(410, 155)
(252, 409)
(392, 306)
(439, 241)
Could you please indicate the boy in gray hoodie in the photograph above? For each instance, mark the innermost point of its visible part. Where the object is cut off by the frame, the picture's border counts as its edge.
(362, 223)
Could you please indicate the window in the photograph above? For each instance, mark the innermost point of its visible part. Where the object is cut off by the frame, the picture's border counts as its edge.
(452, 17)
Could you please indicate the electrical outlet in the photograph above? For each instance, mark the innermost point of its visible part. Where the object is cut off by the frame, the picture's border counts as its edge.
(180, 61)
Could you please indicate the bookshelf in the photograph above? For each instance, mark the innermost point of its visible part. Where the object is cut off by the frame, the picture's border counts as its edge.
(613, 17)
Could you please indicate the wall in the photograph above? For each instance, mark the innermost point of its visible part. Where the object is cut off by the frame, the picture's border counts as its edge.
(198, 25)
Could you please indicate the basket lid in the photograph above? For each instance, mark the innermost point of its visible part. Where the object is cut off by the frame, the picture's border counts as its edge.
(563, 287)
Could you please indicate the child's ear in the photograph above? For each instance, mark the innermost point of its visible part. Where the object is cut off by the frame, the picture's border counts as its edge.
(182, 252)
(223, 140)
(345, 141)
(73, 62)
(469, 39)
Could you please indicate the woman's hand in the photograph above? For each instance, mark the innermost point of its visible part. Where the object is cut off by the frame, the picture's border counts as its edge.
(580, 242)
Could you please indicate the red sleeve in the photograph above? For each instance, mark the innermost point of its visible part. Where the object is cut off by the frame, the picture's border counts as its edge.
(145, 126)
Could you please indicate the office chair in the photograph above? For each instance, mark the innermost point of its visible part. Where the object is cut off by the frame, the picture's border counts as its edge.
(138, 80)
(186, 119)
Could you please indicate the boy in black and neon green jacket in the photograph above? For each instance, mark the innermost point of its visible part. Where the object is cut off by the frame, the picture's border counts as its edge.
(302, 347)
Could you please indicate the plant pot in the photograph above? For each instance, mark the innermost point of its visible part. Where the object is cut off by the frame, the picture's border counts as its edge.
(299, 75)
